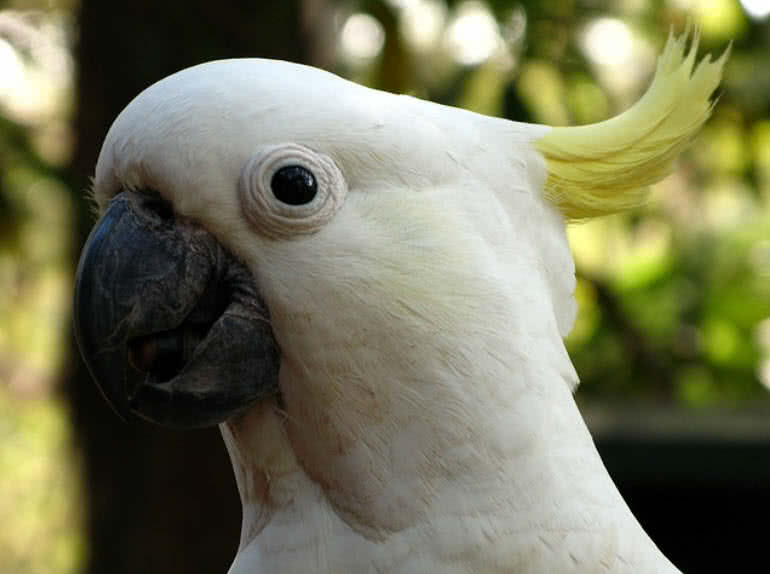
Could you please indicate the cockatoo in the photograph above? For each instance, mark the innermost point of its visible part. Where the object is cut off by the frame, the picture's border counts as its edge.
(368, 293)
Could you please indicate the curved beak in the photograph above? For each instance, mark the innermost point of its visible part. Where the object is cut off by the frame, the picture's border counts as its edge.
(169, 323)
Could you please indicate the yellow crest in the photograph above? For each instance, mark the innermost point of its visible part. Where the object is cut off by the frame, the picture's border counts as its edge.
(606, 167)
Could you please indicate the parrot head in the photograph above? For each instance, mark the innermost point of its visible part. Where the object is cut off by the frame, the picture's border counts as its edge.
(263, 217)
(388, 274)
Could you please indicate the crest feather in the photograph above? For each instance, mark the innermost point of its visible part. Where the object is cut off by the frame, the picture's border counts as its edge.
(606, 167)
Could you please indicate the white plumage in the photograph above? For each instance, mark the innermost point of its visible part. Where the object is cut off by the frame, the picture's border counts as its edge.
(426, 421)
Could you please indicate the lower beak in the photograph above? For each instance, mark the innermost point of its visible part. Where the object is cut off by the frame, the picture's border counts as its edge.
(169, 323)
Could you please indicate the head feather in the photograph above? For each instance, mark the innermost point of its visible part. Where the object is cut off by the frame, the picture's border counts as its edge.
(606, 167)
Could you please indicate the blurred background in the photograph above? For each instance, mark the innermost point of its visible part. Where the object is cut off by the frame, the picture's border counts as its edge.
(673, 338)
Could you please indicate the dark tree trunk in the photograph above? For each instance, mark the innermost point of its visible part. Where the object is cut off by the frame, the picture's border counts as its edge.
(157, 500)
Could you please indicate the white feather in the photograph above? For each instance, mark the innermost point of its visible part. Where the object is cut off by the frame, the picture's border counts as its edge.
(429, 424)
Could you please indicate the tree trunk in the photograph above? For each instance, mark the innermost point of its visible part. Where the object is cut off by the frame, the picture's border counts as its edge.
(157, 500)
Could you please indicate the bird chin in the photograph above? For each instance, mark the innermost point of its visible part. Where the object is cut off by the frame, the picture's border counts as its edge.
(170, 324)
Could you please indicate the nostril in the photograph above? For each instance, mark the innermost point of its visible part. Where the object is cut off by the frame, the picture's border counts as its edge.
(153, 202)
(162, 208)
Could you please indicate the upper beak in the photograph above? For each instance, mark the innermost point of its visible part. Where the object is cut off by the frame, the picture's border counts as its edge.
(169, 323)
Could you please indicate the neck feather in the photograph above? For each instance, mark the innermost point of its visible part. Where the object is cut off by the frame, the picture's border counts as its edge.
(503, 503)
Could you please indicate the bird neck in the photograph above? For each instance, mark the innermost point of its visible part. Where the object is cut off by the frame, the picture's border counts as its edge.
(497, 503)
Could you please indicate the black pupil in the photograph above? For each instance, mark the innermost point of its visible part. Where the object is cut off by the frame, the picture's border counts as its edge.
(294, 185)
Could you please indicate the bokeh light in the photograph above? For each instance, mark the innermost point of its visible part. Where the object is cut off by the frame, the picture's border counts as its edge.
(758, 9)
(609, 42)
(362, 37)
(473, 35)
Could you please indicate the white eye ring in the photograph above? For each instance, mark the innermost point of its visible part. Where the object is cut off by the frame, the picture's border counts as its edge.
(272, 217)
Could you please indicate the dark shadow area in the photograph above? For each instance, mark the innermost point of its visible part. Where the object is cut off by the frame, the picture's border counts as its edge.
(703, 503)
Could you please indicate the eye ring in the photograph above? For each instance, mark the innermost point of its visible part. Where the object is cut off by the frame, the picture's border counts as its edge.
(271, 216)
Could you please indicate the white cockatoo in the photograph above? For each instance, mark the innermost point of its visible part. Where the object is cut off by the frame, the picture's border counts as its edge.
(369, 294)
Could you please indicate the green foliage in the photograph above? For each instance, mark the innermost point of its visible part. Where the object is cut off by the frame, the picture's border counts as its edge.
(39, 491)
(39, 494)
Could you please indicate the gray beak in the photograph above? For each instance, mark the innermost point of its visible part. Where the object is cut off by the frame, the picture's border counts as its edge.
(169, 323)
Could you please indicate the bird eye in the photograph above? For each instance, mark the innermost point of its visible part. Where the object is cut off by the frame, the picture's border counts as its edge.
(289, 189)
(294, 185)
